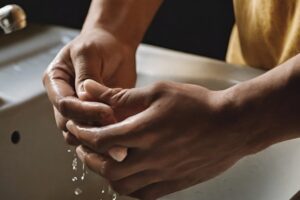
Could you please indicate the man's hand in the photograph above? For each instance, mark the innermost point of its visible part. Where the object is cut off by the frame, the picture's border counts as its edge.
(104, 52)
(95, 54)
(178, 135)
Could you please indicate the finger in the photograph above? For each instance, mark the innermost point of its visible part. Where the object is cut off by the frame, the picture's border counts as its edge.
(126, 102)
(87, 65)
(59, 83)
(99, 92)
(130, 133)
(135, 182)
(91, 137)
(109, 168)
(86, 112)
(61, 124)
(95, 162)
(59, 78)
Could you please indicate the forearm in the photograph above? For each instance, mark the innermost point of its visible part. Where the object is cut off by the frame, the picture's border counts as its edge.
(269, 106)
(127, 19)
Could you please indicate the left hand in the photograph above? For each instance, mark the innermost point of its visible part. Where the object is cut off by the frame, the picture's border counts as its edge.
(178, 135)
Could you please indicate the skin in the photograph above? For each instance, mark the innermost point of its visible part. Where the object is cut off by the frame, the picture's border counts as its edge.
(104, 51)
(296, 196)
(209, 131)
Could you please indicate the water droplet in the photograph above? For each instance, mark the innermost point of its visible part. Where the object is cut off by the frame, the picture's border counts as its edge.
(83, 176)
(77, 191)
(74, 164)
(114, 196)
(74, 179)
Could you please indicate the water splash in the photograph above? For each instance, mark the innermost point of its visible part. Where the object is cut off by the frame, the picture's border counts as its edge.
(78, 191)
(74, 164)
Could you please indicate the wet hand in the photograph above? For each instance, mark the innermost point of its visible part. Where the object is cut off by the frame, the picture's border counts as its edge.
(95, 54)
(178, 135)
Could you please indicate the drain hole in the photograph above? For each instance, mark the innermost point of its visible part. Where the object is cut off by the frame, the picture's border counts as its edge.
(15, 137)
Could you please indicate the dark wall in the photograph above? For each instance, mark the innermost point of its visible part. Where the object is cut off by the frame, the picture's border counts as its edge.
(199, 27)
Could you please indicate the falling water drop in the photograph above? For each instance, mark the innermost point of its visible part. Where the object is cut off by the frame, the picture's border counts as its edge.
(74, 164)
(83, 176)
(114, 196)
(77, 191)
(74, 179)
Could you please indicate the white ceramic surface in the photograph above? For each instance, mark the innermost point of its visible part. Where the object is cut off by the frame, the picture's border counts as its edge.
(39, 166)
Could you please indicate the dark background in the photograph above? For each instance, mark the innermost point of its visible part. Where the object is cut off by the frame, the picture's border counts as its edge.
(199, 27)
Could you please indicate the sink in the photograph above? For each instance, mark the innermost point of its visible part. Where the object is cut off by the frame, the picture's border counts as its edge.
(37, 164)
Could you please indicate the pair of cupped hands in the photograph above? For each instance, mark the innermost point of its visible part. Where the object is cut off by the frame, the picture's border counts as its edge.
(177, 135)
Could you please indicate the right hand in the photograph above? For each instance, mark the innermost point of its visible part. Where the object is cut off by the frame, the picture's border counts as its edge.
(95, 54)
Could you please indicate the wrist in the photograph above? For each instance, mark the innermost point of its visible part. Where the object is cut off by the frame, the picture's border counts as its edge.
(244, 114)
(101, 34)
(101, 29)
(126, 20)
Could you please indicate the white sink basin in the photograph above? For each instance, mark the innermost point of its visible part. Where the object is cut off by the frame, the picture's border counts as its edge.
(39, 167)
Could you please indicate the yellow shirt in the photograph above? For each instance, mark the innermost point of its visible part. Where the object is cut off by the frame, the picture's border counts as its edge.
(267, 32)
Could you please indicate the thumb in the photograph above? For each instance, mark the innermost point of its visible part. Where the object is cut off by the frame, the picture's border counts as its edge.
(87, 65)
(125, 102)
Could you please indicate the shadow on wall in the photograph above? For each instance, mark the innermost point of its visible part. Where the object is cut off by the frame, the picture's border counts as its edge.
(199, 27)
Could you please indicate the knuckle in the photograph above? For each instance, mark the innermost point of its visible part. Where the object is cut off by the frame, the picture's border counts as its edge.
(79, 48)
(160, 87)
(82, 48)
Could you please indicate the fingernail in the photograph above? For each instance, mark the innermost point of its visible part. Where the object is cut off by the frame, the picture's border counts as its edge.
(118, 153)
(69, 124)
